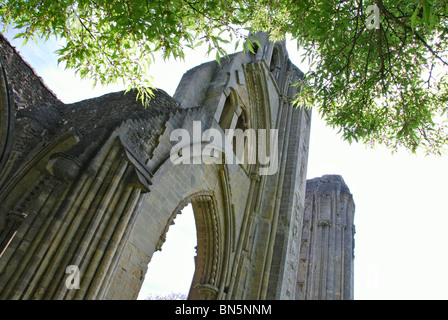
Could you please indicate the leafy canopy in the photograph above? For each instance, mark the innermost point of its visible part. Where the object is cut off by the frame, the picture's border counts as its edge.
(384, 84)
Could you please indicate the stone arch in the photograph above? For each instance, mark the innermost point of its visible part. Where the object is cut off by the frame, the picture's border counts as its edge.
(209, 244)
(209, 248)
(230, 107)
(259, 115)
(174, 186)
(243, 121)
(235, 115)
(276, 61)
(263, 110)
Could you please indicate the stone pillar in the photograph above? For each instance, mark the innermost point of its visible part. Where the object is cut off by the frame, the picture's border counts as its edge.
(327, 246)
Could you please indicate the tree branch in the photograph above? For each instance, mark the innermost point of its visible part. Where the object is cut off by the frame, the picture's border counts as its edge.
(415, 33)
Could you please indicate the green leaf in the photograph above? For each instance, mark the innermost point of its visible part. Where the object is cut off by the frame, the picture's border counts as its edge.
(426, 12)
(218, 58)
(200, 43)
(414, 17)
(237, 43)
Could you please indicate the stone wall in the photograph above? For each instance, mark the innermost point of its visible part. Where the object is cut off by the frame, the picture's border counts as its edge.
(91, 186)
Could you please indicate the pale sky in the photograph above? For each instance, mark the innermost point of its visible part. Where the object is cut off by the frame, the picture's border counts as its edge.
(401, 211)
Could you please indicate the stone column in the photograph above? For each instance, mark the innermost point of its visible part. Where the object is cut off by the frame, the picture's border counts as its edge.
(327, 246)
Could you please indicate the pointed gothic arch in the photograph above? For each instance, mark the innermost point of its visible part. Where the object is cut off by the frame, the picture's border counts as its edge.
(276, 62)
(209, 249)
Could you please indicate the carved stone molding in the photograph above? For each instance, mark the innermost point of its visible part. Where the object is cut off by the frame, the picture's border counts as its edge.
(207, 291)
(7, 119)
(324, 223)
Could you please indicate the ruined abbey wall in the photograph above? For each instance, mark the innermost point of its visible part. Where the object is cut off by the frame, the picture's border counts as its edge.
(93, 186)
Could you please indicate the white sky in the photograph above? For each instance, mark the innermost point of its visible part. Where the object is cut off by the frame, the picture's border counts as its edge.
(401, 199)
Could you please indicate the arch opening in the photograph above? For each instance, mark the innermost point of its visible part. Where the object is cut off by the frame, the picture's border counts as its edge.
(170, 271)
(204, 277)
(227, 113)
(275, 63)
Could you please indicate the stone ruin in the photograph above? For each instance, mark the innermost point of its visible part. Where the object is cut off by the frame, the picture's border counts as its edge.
(91, 185)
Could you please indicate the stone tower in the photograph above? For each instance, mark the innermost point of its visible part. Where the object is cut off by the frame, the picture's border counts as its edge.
(92, 187)
(327, 248)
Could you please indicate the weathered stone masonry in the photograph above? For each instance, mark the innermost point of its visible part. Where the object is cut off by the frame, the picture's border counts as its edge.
(91, 184)
(327, 248)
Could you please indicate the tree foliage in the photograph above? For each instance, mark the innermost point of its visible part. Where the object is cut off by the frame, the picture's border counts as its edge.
(383, 85)
(112, 41)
